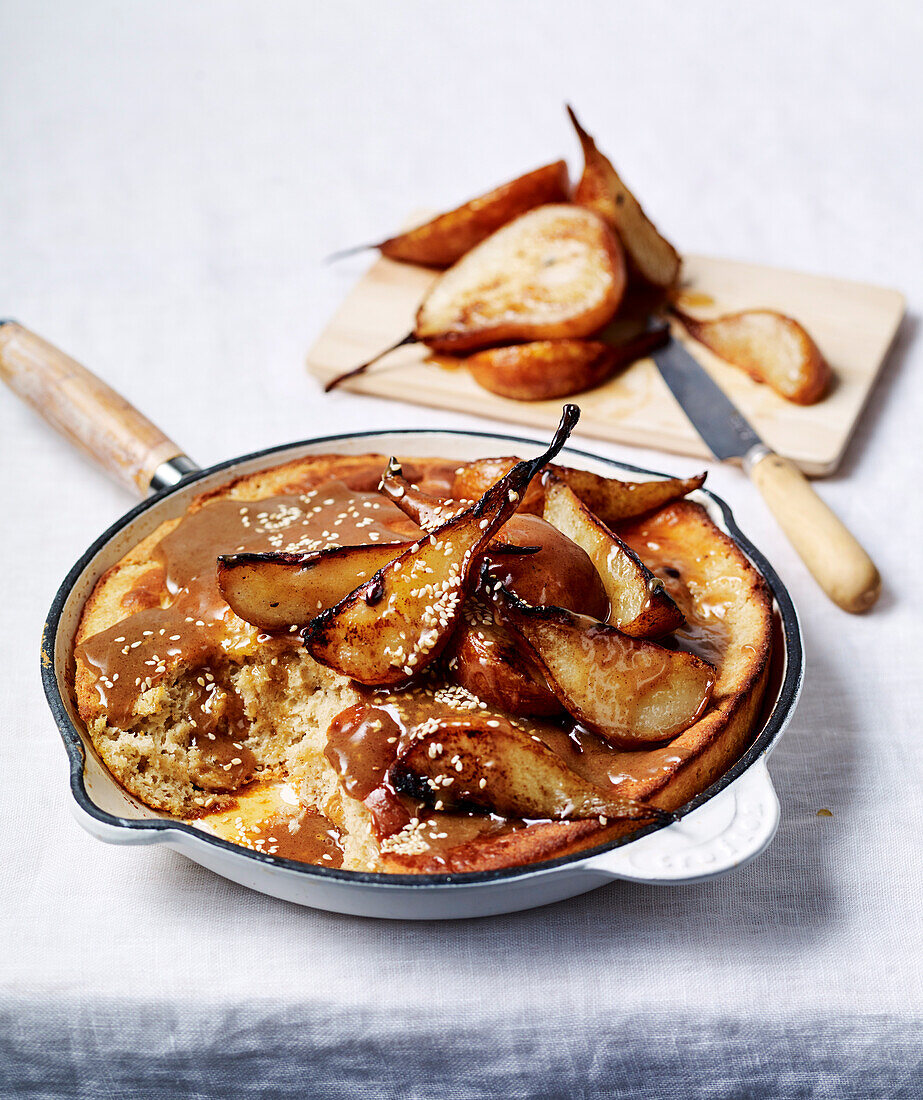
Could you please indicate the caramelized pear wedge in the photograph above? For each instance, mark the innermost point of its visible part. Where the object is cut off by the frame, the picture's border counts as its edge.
(602, 189)
(631, 691)
(390, 628)
(556, 571)
(557, 271)
(490, 763)
(638, 604)
(770, 347)
(606, 497)
(547, 369)
(612, 501)
(276, 590)
(444, 239)
(486, 660)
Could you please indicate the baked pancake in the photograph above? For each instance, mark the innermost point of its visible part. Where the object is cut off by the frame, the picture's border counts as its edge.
(237, 728)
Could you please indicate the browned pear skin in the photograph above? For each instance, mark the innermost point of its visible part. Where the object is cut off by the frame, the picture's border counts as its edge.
(486, 660)
(638, 604)
(631, 691)
(446, 238)
(612, 501)
(602, 189)
(543, 369)
(553, 273)
(547, 369)
(275, 591)
(561, 573)
(772, 348)
(556, 571)
(474, 479)
(489, 763)
(391, 628)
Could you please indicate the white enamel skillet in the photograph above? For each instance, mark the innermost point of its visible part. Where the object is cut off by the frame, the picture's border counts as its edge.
(723, 828)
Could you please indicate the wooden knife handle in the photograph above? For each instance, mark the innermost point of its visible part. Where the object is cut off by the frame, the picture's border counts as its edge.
(83, 409)
(835, 559)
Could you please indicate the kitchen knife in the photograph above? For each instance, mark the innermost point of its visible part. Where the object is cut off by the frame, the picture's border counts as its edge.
(835, 559)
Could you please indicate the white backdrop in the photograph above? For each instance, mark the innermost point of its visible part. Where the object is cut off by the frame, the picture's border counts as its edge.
(170, 176)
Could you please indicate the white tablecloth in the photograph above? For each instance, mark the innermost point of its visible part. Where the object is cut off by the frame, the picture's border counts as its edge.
(172, 174)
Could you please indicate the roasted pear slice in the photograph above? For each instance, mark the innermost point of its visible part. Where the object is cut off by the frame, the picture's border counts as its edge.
(490, 763)
(555, 571)
(608, 498)
(486, 660)
(555, 272)
(612, 500)
(276, 590)
(546, 369)
(442, 240)
(638, 604)
(630, 691)
(390, 628)
(602, 189)
(770, 347)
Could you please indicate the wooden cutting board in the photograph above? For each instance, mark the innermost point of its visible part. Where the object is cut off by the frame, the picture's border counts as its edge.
(854, 325)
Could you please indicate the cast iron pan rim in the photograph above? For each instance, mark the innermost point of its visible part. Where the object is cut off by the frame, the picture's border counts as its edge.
(788, 691)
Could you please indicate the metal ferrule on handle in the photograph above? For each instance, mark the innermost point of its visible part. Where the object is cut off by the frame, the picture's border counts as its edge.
(172, 472)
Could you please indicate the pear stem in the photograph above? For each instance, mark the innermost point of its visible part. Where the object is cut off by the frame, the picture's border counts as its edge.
(410, 338)
(344, 252)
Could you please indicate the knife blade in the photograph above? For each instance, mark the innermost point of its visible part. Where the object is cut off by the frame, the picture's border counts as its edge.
(829, 550)
(714, 416)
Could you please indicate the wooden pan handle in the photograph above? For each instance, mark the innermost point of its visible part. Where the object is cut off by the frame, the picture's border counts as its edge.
(835, 559)
(85, 410)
